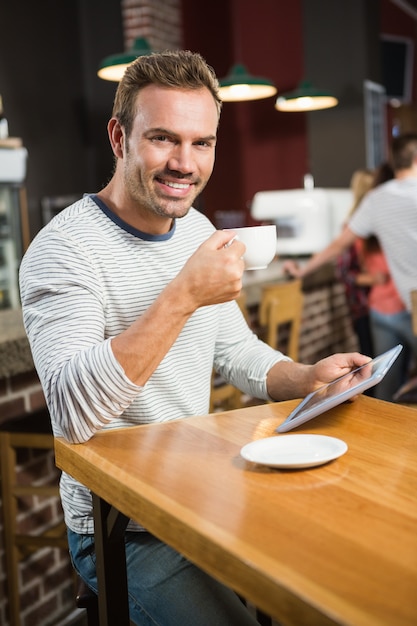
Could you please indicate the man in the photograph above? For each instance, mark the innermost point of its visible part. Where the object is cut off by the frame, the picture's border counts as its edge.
(129, 300)
(390, 213)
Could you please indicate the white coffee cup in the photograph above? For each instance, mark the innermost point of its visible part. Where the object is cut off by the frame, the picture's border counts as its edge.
(261, 245)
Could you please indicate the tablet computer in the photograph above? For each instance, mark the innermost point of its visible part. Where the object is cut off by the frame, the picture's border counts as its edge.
(341, 389)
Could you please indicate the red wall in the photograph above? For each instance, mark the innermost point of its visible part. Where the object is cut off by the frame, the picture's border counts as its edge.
(260, 148)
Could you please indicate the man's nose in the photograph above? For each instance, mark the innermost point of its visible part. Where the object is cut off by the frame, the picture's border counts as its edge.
(182, 159)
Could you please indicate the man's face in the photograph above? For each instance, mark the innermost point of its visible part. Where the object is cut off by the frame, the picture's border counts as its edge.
(170, 152)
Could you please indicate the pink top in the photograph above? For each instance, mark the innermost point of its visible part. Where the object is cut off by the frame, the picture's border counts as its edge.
(382, 298)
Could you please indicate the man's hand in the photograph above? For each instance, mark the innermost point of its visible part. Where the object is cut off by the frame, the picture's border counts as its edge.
(289, 380)
(337, 365)
(292, 268)
(213, 274)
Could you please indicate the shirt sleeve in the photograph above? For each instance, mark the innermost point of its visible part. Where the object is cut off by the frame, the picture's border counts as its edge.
(240, 356)
(63, 309)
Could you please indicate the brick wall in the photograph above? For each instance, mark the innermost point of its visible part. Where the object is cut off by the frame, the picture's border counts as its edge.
(46, 578)
(159, 21)
(19, 395)
(326, 323)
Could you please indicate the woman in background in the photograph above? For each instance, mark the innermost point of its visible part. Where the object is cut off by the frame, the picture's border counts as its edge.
(349, 268)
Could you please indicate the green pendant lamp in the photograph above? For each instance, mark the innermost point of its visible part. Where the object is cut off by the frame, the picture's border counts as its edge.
(113, 67)
(239, 86)
(305, 98)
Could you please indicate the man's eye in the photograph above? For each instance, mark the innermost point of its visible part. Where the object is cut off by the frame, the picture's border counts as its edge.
(204, 144)
(160, 138)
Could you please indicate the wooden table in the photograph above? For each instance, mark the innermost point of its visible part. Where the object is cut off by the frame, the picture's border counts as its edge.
(331, 544)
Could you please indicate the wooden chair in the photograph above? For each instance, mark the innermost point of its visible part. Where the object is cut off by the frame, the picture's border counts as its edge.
(282, 304)
(242, 302)
(224, 396)
(19, 543)
(414, 310)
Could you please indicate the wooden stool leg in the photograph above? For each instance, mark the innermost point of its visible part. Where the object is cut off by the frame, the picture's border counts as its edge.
(8, 462)
(88, 600)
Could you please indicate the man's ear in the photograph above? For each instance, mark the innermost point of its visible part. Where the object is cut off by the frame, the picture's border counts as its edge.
(117, 137)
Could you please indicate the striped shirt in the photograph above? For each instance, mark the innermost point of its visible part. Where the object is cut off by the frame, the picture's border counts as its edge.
(85, 278)
(390, 213)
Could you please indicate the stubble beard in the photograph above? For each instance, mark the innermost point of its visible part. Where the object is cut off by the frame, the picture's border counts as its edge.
(146, 198)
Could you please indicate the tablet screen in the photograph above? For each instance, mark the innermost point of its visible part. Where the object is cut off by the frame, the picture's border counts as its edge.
(341, 389)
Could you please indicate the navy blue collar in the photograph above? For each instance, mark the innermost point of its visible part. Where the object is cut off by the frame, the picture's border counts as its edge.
(127, 227)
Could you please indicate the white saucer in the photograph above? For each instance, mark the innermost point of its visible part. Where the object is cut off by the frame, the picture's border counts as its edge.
(294, 451)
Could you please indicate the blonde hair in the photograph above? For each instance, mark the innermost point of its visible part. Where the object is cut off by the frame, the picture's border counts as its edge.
(361, 182)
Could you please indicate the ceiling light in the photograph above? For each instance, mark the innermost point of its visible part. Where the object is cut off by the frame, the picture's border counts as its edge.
(113, 67)
(305, 98)
(239, 86)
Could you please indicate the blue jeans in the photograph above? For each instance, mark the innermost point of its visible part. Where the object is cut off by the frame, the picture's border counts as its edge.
(387, 332)
(164, 588)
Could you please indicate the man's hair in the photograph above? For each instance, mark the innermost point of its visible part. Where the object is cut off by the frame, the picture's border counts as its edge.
(179, 69)
(404, 151)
